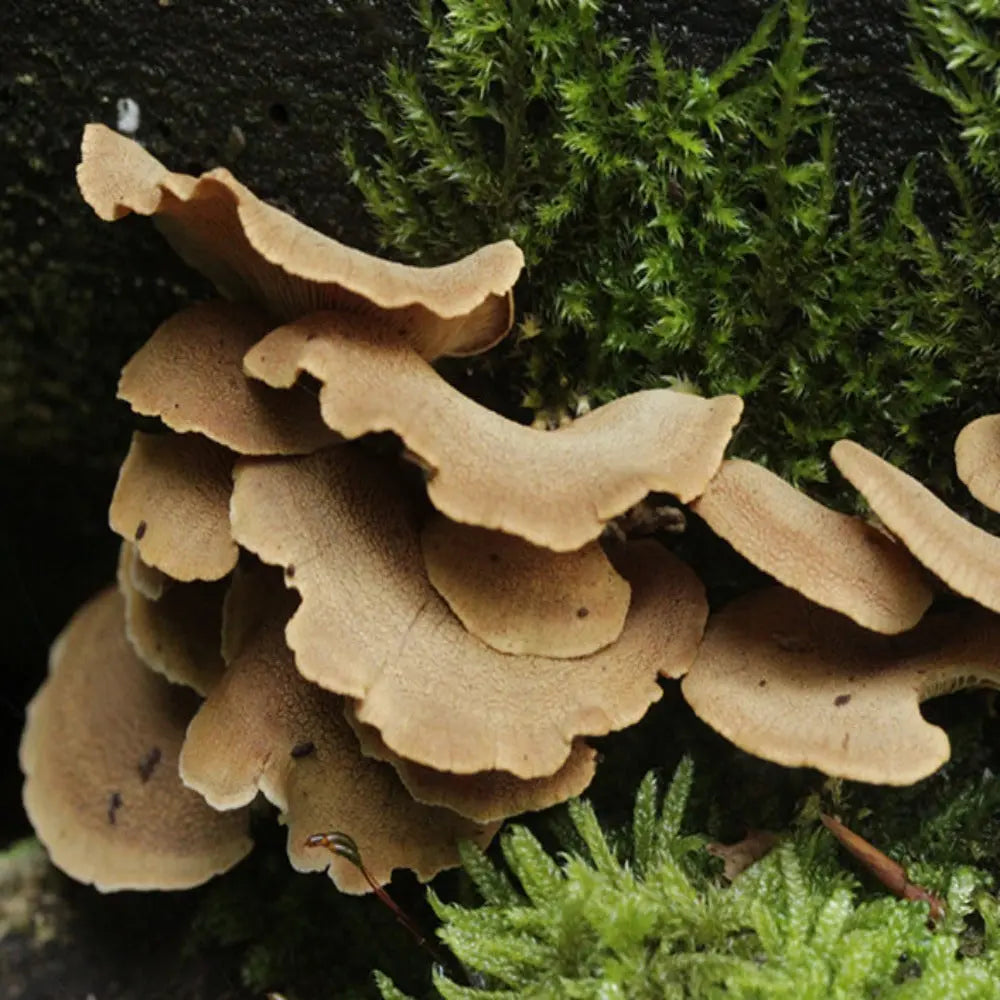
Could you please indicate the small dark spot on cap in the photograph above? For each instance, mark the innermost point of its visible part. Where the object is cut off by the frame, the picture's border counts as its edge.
(140, 530)
(841, 700)
(582, 612)
(114, 804)
(494, 557)
(762, 683)
(289, 571)
(148, 763)
(303, 749)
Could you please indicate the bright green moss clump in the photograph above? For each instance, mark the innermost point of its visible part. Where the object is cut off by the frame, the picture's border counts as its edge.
(644, 916)
(686, 226)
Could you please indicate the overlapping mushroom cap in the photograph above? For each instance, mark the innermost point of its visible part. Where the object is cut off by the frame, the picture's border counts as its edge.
(837, 561)
(99, 754)
(556, 489)
(253, 252)
(410, 675)
(372, 627)
(800, 685)
(963, 556)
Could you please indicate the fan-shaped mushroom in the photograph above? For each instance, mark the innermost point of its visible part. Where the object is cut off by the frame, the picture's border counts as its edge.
(254, 252)
(99, 754)
(961, 554)
(264, 726)
(802, 686)
(835, 560)
(371, 626)
(556, 489)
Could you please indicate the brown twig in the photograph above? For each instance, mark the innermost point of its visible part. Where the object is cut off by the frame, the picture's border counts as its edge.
(890, 873)
(343, 846)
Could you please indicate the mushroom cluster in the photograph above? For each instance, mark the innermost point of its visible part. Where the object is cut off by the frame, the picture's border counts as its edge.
(781, 672)
(410, 659)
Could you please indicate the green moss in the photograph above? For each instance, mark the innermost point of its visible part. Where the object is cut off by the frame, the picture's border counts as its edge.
(643, 913)
(687, 226)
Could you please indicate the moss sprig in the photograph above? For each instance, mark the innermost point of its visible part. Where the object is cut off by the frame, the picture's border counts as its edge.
(647, 915)
(686, 225)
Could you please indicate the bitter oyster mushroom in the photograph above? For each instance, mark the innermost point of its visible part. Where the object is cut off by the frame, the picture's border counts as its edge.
(99, 754)
(556, 489)
(977, 459)
(254, 252)
(172, 501)
(835, 560)
(802, 686)
(521, 599)
(371, 626)
(963, 556)
(190, 375)
(488, 795)
(264, 726)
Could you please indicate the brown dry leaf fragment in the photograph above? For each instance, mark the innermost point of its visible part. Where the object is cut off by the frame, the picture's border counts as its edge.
(738, 857)
(800, 685)
(556, 489)
(835, 560)
(488, 795)
(190, 375)
(178, 634)
(522, 599)
(977, 459)
(99, 754)
(962, 555)
(254, 252)
(243, 739)
(371, 626)
(172, 502)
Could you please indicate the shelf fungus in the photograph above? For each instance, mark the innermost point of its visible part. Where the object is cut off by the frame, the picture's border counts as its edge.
(99, 754)
(172, 501)
(265, 727)
(963, 556)
(837, 561)
(255, 253)
(977, 459)
(800, 685)
(522, 599)
(556, 489)
(373, 628)
(190, 375)
(176, 633)
(486, 796)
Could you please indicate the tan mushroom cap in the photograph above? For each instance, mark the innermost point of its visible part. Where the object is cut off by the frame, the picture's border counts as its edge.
(266, 727)
(962, 555)
(371, 626)
(835, 560)
(522, 599)
(172, 501)
(145, 579)
(252, 251)
(488, 795)
(190, 375)
(556, 489)
(977, 459)
(99, 754)
(801, 686)
(178, 634)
